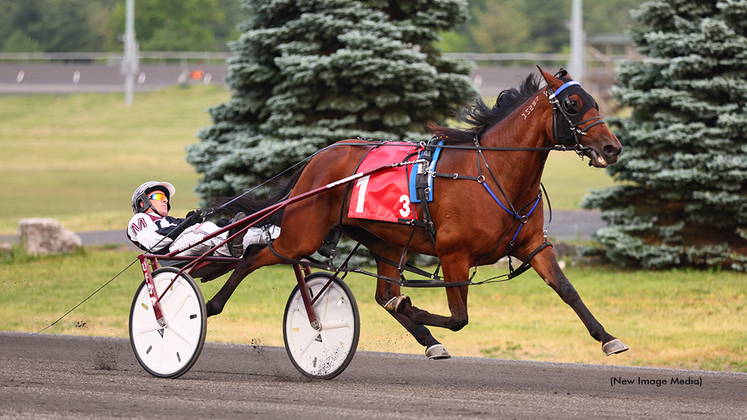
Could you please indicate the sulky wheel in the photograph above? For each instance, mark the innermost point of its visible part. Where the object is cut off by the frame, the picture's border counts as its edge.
(170, 351)
(324, 353)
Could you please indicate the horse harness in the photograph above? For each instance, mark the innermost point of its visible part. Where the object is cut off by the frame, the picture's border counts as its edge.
(520, 216)
(567, 133)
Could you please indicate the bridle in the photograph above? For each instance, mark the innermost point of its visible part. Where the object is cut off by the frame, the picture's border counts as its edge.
(566, 121)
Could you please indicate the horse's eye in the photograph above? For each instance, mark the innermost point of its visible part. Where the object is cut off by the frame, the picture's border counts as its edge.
(570, 106)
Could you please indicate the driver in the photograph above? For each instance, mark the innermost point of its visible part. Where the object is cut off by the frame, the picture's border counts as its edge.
(153, 230)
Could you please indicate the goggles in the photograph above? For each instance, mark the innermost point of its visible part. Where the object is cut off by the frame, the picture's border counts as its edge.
(158, 196)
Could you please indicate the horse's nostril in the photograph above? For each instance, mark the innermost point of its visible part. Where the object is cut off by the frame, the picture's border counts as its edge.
(612, 151)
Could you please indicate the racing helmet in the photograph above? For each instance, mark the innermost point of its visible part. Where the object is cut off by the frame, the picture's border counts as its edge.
(140, 201)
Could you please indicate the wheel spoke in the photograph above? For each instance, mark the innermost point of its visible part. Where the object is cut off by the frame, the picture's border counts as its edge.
(307, 344)
(301, 310)
(145, 318)
(164, 347)
(322, 303)
(175, 305)
(333, 325)
(145, 329)
(179, 332)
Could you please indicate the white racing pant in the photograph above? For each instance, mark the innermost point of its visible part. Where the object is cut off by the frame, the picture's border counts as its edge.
(195, 233)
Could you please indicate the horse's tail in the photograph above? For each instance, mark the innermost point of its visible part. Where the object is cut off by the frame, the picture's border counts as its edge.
(249, 204)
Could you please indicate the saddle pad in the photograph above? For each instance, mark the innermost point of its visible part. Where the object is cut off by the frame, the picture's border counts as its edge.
(384, 195)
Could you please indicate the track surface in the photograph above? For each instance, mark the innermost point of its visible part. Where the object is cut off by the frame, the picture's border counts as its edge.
(50, 377)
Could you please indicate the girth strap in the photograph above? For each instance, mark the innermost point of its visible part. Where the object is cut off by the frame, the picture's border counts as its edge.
(526, 265)
(403, 266)
(436, 280)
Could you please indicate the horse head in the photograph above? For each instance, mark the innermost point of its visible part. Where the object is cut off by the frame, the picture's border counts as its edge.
(576, 121)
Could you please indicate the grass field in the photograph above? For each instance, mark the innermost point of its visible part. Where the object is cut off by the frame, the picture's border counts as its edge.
(679, 319)
(78, 158)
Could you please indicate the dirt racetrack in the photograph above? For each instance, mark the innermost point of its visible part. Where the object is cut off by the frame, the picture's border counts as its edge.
(56, 377)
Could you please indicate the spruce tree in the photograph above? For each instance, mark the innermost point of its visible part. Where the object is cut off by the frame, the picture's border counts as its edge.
(681, 199)
(308, 73)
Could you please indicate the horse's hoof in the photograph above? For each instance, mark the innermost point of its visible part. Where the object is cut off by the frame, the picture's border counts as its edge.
(437, 351)
(395, 303)
(212, 309)
(614, 346)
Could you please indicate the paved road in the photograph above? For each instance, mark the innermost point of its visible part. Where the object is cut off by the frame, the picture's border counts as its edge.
(28, 78)
(58, 377)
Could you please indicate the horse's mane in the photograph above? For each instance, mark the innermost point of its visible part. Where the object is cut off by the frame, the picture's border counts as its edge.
(480, 117)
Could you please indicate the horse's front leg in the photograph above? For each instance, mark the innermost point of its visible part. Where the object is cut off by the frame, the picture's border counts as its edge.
(547, 267)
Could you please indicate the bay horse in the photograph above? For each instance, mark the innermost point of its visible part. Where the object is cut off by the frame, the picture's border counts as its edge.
(504, 150)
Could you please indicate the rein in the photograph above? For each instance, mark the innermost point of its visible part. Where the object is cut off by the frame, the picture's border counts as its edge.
(376, 143)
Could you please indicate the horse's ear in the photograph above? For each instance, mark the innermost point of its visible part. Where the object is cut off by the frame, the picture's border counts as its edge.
(562, 73)
(551, 80)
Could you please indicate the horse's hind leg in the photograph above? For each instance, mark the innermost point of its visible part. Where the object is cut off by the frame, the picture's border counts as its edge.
(415, 319)
(256, 256)
(547, 267)
(247, 264)
(386, 294)
(455, 269)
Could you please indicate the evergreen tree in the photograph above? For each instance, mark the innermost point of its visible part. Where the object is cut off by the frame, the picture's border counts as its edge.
(312, 72)
(539, 26)
(174, 25)
(682, 197)
(46, 26)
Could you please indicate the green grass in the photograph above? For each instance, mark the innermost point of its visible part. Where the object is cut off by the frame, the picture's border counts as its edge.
(678, 319)
(567, 179)
(78, 158)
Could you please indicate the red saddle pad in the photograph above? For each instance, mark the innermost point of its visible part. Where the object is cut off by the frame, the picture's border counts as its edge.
(384, 195)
